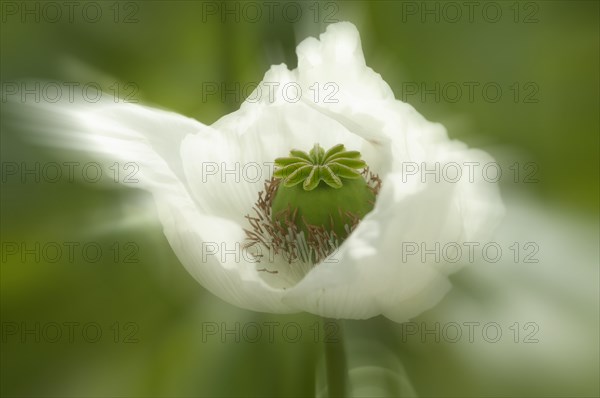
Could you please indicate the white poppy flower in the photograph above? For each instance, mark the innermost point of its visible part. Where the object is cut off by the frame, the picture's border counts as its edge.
(205, 219)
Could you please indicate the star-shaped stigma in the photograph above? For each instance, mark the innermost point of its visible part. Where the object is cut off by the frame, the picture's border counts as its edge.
(319, 165)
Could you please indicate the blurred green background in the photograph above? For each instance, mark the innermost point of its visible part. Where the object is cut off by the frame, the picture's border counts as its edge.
(152, 314)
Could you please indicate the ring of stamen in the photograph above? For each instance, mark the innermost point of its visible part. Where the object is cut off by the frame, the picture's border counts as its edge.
(295, 238)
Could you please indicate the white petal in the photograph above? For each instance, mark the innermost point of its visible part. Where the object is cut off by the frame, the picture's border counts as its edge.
(337, 58)
(334, 77)
(371, 276)
(277, 86)
(209, 247)
(246, 144)
(113, 132)
(375, 274)
(151, 138)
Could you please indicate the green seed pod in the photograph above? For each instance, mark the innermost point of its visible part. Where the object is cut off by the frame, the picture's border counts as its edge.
(322, 189)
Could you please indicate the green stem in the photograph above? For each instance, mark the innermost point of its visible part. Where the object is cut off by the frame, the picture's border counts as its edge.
(374, 351)
(335, 358)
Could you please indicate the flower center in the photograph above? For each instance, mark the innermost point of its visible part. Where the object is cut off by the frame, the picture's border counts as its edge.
(313, 202)
(322, 189)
